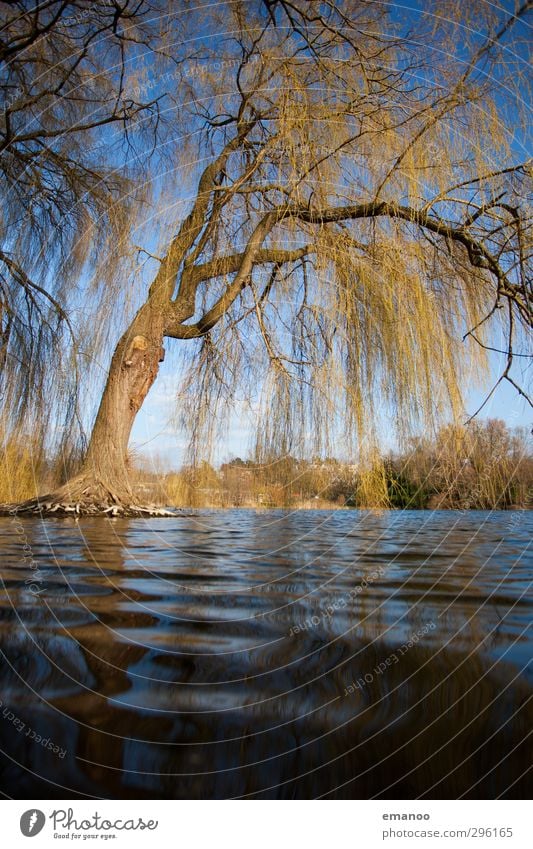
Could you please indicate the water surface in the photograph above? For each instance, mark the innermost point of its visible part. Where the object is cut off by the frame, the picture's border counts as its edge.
(267, 654)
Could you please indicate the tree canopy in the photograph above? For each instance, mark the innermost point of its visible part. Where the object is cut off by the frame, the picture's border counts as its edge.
(339, 220)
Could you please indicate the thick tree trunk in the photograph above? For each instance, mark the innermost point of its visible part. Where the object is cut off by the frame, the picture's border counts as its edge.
(102, 485)
(133, 370)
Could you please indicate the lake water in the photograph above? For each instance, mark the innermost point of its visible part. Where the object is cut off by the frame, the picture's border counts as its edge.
(267, 654)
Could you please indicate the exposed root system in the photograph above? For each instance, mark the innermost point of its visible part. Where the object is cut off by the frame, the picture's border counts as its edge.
(86, 496)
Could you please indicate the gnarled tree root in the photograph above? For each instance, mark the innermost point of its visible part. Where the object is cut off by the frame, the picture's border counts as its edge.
(87, 496)
(50, 508)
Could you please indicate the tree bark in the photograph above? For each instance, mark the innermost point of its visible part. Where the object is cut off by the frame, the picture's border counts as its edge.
(133, 370)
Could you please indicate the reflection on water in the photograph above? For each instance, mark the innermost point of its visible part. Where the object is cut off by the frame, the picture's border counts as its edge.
(266, 654)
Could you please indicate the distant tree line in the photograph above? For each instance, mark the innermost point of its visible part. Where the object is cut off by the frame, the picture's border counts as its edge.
(484, 466)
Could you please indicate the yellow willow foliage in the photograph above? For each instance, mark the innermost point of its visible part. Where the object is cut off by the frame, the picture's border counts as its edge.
(397, 330)
(372, 491)
(178, 491)
(20, 469)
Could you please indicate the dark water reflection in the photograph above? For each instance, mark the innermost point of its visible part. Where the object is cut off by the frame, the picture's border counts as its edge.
(267, 654)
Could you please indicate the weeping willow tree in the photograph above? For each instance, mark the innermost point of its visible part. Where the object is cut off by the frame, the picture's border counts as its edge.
(357, 227)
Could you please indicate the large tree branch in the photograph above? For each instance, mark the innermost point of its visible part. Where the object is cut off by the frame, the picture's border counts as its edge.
(163, 285)
(212, 317)
(242, 263)
(479, 255)
(229, 264)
